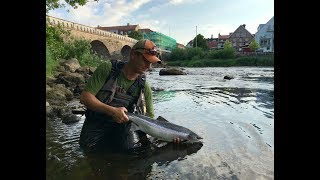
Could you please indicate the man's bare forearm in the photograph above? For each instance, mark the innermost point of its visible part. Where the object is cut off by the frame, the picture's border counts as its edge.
(92, 103)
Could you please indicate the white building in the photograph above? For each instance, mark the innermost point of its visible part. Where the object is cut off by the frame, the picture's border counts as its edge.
(265, 36)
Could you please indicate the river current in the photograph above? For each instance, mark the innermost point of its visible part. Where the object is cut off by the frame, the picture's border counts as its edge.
(235, 118)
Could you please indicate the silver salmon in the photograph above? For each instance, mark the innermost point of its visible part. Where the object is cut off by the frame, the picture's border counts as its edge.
(163, 130)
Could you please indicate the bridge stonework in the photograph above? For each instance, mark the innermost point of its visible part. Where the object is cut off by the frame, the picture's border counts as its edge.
(103, 42)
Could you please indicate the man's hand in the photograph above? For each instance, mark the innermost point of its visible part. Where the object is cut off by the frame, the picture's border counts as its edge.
(119, 114)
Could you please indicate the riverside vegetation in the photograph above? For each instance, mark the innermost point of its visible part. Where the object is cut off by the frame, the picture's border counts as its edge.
(197, 57)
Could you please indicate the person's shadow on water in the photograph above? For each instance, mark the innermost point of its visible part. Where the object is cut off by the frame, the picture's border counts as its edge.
(137, 164)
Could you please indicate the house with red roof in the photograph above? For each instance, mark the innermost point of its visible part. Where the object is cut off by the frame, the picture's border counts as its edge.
(212, 43)
(221, 40)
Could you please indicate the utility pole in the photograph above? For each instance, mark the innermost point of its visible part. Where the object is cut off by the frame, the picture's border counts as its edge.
(196, 37)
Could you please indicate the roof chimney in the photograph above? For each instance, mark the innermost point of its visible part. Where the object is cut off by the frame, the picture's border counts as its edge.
(128, 24)
(211, 36)
(244, 25)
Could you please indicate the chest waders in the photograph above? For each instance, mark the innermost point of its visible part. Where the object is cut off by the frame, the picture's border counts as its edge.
(101, 132)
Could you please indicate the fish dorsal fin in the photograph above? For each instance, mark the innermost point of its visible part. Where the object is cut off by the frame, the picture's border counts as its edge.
(160, 118)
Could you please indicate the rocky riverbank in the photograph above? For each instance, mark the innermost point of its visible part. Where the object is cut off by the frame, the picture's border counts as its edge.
(63, 90)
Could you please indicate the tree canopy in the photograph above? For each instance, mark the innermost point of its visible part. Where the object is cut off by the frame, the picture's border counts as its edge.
(200, 41)
(136, 35)
(227, 44)
(53, 4)
(254, 45)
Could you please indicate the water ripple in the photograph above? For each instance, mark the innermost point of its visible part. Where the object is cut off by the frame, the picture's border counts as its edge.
(235, 118)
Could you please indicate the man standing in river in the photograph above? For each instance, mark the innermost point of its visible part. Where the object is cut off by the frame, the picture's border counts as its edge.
(114, 89)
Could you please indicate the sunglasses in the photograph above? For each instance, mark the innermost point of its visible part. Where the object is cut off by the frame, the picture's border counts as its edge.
(152, 51)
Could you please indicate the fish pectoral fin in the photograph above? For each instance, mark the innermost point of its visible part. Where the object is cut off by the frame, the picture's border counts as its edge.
(160, 118)
(134, 127)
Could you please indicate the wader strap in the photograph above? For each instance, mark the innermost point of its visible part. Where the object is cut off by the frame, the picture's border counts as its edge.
(108, 89)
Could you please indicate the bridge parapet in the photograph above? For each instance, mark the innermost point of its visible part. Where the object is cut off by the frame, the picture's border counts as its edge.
(88, 29)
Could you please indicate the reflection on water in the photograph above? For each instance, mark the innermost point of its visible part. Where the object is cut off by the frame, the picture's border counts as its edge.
(138, 165)
(235, 118)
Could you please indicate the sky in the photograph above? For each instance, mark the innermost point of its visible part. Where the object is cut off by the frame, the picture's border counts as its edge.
(179, 19)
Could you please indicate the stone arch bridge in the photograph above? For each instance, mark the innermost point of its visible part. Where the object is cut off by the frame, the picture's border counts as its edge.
(103, 42)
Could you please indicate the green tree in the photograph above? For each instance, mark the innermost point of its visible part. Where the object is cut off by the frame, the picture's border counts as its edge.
(254, 45)
(227, 44)
(136, 35)
(201, 42)
(54, 40)
(53, 4)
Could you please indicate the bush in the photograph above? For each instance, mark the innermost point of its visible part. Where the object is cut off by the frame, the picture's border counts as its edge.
(192, 52)
(89, 59)
(186, 54)
(178, 54)
(51, 63)
(76, 48)
(54, 40)
(221, 54)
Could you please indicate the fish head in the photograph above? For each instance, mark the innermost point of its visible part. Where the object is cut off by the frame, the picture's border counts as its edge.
(193, 137)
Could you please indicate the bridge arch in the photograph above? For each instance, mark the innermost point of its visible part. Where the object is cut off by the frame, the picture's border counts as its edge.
(98, 47)
(125, 52)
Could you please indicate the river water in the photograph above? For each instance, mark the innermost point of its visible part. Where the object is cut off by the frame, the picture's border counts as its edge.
(235, 118)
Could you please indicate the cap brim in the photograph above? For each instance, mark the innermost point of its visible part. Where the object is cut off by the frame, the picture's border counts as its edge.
(152, 58)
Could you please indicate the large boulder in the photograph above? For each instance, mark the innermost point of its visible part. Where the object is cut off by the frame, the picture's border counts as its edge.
(58, 95)
(172, 71)
(71, 64)
(70, 80)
